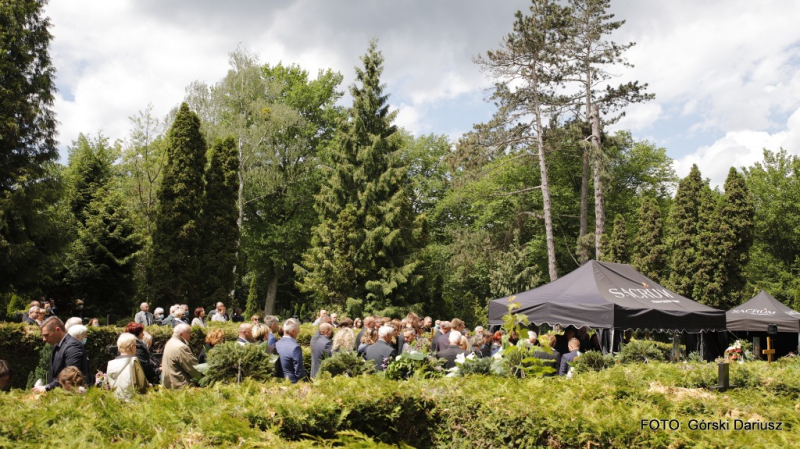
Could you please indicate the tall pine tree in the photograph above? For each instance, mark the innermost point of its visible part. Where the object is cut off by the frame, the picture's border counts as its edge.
(735, 231)
(218, 218)
(174, 266)
(363, 250)
(31, 233)
(649, 255)
(684, 216)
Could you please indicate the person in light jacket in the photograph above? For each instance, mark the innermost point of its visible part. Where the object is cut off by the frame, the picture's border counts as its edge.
(178, 362)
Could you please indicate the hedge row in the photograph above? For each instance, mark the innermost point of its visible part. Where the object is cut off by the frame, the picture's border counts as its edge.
(21, 344)
(596, 409)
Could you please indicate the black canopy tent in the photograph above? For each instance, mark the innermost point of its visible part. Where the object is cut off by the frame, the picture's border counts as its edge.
(761, 311)
(607, 296)
(753, 317)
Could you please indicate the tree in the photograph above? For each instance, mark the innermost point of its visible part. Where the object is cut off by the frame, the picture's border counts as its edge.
(174, 266)
(528, 72)
(649, 255)
(618, 245)
(220, 233)
(735, 237)
(364, 247)
(687, 211)
(592, 55)
(773, 264)
(100, 261)
(31, 230)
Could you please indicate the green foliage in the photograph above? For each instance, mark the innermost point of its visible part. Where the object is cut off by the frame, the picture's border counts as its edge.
(220, 233)
(101, 259)
(649, 254)
(232, 362)
(419, 365)
(617, 248)
(174, 269)
(475, 365)
(363, 247)
(688, 219)
(593, 361)
(519, 361)
(346, 363)
(639, 351)
(31, 230)
(252, 307)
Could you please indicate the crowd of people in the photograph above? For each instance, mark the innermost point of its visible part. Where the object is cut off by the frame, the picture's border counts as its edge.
(376, 339)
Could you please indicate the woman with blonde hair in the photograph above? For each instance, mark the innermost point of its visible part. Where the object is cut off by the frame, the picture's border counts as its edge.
(213, 338)
(344, 339)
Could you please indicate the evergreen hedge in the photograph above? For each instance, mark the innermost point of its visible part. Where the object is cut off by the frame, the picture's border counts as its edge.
(594, 409)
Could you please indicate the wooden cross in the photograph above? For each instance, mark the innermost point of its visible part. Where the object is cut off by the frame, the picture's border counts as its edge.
(769, 351)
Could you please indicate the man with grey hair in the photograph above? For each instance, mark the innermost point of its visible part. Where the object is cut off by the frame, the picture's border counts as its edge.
(382, 351)
(441, 339)
(452, 350)
(144, 317)
(72, 322)
(245, 334)
(78, 331)
(291, 355)
(35, 316)
(178, 362)
(272, 323)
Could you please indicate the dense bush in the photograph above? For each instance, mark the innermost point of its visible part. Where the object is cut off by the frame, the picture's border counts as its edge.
(593, 409)
(593, 361)
(642, 351)
(346, 363)
(232, 362)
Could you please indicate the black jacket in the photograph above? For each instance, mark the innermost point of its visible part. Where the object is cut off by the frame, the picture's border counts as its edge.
(149, 365)
(449, 354)
(552, 360)
(68, 352)
(378, 352)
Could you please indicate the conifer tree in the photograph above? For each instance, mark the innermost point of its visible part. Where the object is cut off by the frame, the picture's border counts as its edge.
(31, 234)
(618, 245)
(176, 240)
(649, 255)
(734, 238)
(363, 248)
(220, 233)
(101, 259)
(706, 288)
(684, 216)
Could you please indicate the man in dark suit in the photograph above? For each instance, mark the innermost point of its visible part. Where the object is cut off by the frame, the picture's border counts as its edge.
(321, 348)
(67, 351)
(452, 350)
(382, 351)
(566, 359)
(291, 355)
(441, 340)
(552, 360)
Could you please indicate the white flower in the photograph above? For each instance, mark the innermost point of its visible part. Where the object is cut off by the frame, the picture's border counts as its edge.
(498, 355)
(471, 356)
(460, 359)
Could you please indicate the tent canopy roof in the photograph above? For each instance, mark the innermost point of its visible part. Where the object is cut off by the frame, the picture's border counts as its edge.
(609, 295)
(760, 311)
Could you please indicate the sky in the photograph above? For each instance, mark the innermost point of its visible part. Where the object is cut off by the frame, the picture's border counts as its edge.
(724, 72)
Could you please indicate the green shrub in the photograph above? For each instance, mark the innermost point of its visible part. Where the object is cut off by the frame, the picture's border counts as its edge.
(232, 362)
(593, 361)
(415, 364)
(346, 363)
(641, 351)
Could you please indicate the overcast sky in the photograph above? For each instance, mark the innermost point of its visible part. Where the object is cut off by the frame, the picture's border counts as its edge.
(725, 72)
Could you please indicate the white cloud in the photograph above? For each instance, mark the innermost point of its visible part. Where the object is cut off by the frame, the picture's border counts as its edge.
(740, 149)
(638, 117)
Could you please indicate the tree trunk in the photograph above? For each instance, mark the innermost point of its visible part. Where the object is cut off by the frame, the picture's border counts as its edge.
(240, 218)
(548, 218)
(583, 247)
(272, 294)
(599, 194)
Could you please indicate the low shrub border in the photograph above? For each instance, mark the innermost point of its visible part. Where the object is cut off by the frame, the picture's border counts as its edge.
(593, 409)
